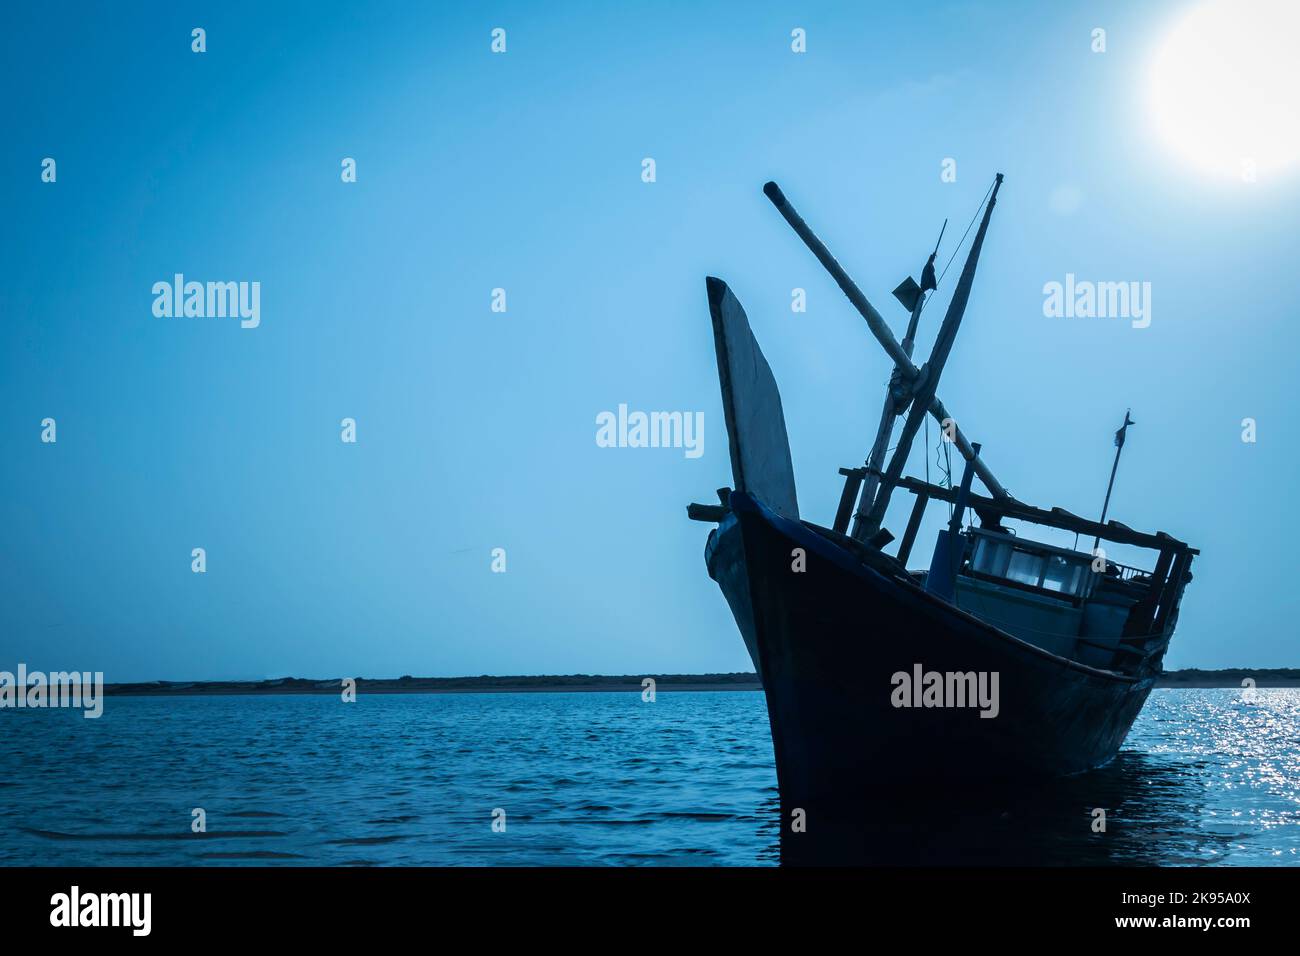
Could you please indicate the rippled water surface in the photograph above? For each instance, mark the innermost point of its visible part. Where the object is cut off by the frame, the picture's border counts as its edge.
(593, 778)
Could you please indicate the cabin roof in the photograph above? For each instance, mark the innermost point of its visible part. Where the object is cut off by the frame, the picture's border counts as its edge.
(1021, 543)
(1009, 507)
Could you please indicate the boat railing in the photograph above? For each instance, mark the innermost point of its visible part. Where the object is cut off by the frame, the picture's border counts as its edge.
(1129, 573)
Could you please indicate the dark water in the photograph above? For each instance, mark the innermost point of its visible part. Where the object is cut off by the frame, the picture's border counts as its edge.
(594, 779)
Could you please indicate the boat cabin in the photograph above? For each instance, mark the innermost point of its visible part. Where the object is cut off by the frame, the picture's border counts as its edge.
(1001, 557)
(1076, 605)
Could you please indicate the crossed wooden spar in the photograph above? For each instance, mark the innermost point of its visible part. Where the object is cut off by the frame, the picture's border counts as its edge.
(918, 384)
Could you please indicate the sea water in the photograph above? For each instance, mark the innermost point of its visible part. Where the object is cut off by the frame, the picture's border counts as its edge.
(538, 779)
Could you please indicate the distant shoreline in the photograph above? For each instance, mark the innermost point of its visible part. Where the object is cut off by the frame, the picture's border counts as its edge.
(1231, 677)
(592, 683)
(544, 684)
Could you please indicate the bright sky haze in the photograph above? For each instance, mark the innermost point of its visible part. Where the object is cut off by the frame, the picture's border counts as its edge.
(523, 171)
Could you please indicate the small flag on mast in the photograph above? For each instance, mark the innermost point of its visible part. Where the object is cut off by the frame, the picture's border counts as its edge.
(1119, 435)
(928, 280)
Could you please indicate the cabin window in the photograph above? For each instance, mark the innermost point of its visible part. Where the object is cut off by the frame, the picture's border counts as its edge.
(1025, 568)
(1001, 558)
(1062, 575)
(991, 557)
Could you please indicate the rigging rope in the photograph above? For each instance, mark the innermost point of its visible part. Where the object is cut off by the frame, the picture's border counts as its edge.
(945, 466)
(960, 243)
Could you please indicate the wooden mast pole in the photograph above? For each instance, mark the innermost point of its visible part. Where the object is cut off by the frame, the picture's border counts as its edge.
(880, 447)
(909, 373)
(892, 409)
(850, 289)
(932, 371)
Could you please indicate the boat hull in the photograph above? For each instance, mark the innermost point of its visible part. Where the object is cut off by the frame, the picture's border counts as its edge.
(828, 642)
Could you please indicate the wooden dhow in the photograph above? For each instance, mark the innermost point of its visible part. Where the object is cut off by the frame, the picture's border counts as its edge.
(1003, 658)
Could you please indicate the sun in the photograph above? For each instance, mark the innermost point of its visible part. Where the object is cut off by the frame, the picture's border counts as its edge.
(1224, 88)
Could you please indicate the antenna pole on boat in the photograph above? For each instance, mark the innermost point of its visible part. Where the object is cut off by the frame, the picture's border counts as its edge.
(909, 372)
(931, 372)
(1119, 447)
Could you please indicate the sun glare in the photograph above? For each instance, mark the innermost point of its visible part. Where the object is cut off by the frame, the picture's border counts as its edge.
(1224, 87)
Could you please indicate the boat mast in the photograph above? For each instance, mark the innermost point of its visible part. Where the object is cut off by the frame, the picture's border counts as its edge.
(895, 394)
(1119, 447)
(931, 372)
(909, 374)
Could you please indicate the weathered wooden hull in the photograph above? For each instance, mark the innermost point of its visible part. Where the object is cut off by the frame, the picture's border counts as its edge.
(826, 643)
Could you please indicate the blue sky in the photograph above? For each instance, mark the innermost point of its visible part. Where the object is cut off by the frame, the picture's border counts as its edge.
(476, 430)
